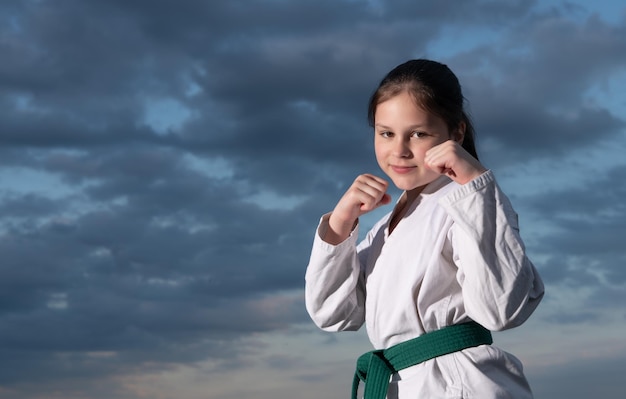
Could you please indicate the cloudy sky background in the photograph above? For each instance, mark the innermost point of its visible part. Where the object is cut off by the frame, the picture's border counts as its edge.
(163, 166)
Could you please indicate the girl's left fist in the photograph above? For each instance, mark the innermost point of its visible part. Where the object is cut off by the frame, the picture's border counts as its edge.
(449, 158)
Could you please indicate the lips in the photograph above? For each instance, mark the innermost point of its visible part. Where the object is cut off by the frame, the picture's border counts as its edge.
(402, 169)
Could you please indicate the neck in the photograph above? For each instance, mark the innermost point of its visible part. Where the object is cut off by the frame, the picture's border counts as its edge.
(403, 204)
(413, 193)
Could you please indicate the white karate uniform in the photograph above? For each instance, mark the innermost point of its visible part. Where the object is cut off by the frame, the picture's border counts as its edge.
(456, 255)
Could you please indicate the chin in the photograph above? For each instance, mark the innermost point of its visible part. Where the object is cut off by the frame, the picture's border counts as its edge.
(404, 186)
(408, 186)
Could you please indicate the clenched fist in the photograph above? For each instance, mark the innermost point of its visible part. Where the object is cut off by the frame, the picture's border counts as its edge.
(449, 158)
(367, 193)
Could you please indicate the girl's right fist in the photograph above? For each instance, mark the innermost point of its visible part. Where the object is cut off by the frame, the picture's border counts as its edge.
(367, 193)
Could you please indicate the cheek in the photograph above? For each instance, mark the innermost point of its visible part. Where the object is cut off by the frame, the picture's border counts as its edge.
(379, 157)
(420, 152)
(379, 151)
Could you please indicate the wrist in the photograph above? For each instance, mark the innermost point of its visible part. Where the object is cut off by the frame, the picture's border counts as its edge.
(339, 229)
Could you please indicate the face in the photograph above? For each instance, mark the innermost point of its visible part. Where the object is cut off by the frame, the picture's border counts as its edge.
(403, 134)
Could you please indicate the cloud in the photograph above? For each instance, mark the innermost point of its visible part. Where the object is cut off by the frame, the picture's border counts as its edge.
(571, 381)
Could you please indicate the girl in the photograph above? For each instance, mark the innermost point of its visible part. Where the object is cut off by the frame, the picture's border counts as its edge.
(435, 275)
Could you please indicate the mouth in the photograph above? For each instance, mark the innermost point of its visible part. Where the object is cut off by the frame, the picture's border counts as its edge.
(402, 169)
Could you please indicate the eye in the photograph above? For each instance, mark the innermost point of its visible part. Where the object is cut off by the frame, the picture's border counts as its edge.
(386, 134)
(419, 134)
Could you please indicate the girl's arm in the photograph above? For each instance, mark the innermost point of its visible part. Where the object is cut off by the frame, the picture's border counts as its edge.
(501, 287)
(334, 283)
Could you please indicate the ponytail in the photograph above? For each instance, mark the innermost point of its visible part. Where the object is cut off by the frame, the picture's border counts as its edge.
(469, 142)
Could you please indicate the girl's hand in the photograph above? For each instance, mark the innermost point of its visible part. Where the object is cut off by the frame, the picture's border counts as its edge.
(450, 159)
(367, 193)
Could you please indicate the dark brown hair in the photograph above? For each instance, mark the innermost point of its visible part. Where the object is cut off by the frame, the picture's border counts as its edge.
(434, 87)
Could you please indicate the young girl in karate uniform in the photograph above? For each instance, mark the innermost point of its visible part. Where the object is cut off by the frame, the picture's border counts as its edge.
(433, 277)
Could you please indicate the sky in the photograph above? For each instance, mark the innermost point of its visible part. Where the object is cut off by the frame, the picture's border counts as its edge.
(164, 164)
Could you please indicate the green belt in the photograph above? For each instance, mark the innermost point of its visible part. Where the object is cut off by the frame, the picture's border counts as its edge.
(375, 368)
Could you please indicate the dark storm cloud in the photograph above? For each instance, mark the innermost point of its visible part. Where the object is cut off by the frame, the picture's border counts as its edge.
(537, 79)
(590, 218)
(166, 275)
(141, 261)
(29, 205)
(572, 380)
(107, 282)
(585, 247)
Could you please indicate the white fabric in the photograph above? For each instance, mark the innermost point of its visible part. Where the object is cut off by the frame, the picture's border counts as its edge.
(456, 255)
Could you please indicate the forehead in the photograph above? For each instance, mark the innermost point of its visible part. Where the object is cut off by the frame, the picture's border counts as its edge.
(402, 109)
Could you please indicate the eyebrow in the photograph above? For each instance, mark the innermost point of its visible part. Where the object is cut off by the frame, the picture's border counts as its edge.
(412, 127)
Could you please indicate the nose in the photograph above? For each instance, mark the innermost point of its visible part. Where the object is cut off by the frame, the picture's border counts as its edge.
(401, 147)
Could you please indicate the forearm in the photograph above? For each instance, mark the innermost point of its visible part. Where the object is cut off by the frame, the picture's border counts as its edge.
(334, 293)
(501, 287)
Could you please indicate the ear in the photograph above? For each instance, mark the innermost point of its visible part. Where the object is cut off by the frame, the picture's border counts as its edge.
(459, 134)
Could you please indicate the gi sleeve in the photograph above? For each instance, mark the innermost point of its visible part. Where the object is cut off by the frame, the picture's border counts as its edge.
(500, 286)
(334, 283)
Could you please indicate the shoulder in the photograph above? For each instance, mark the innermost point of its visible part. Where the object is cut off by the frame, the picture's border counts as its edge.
(457, 192)
(438, 189)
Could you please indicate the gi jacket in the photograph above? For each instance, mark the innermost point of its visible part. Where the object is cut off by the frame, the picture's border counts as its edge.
(455, 256)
